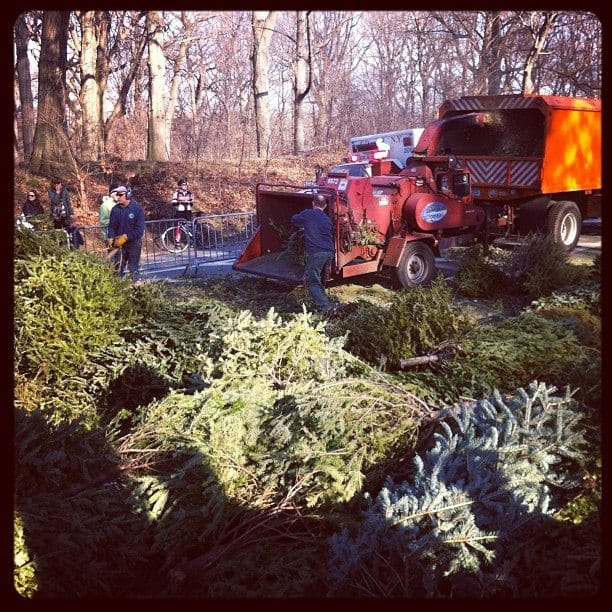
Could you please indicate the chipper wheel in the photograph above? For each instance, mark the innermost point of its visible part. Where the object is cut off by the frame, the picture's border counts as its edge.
(417, 265)
(564, 224)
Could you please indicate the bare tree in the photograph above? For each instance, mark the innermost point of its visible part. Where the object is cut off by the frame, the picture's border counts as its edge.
(304, 79)
(301, 87)
(491, 52)
(573, 67)
(158, 140)
(215, 110)
(92, 146)
(337, 52)
(262, 24)
(127, 62)
(539, 26)
(51, 146)
(24, 80)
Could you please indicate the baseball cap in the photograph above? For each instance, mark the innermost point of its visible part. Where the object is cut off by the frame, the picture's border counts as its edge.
(119, 189)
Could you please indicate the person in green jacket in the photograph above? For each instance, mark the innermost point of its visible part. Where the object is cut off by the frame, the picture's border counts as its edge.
(108, 202)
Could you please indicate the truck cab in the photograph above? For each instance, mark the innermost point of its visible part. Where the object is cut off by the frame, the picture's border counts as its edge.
(368, 168)
(399, 143)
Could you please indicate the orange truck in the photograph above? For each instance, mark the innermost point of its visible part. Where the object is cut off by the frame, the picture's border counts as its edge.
(489, 167)
(534, 161)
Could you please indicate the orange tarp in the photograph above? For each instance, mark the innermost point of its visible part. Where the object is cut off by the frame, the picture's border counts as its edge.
(572, 157)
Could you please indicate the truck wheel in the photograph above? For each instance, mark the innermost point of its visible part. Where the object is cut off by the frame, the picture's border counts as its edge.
(417, 265)
(564, 223)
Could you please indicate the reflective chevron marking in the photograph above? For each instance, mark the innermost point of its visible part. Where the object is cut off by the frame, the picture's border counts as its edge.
(524, 173)
(466, 105)
(487, 171)
(502, 172)
(478, 104)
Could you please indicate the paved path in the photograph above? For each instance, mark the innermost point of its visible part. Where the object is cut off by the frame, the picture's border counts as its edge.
(589, 246)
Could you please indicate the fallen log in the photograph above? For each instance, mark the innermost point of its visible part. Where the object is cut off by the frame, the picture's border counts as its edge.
(414, 361)
(445, 349)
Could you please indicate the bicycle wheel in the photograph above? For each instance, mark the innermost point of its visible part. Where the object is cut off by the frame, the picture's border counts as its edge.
(175, 239)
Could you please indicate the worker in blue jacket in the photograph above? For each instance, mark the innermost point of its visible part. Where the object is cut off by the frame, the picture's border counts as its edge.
(319, 243)
(125, 230)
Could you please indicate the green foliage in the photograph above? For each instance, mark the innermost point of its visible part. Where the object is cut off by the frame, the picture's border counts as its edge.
(245, 347)
(224, 428)
(539, 266)
(416, 321)
(169, 350)
(75, 524)
(76, 398)
(481, 275)
(508, 355)
(148, 300)
(30, 244)
(586, 296)
(583, 324)
(65, 308)
(24, 573)
(587, 502)
(323, 440)
(267, 375)
(285, 418)
(296, 248)
(68, 306)
(270, 568)
(465, 523)
(536, 267)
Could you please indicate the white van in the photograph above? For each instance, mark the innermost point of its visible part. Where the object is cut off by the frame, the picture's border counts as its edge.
(398, 144)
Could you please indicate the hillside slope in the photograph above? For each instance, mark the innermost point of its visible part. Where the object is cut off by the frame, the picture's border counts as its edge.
(219, 186)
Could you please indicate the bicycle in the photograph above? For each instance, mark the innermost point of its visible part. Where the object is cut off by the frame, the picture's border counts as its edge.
(184, 234)
(178, 237)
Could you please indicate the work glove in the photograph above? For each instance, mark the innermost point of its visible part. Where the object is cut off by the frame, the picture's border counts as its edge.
(120, 240)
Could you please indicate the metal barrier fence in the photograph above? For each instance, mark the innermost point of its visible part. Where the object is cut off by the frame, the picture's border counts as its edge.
(169, 244)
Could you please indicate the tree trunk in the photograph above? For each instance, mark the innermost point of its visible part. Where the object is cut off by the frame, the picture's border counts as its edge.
(491, 55)
(121, 104)
(26, 106)
(262, 24)
(302, 80)
(540, 37)
(91, 100)
(158, 142)
(179, 63)
(51, 148)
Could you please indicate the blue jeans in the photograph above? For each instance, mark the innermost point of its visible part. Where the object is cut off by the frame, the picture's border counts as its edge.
(314, 278)
(131, 258)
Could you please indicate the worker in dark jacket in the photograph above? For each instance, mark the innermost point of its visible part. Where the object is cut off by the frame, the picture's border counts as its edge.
(61, 208)
(125, 230)
(319, 243)
(32, 206)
